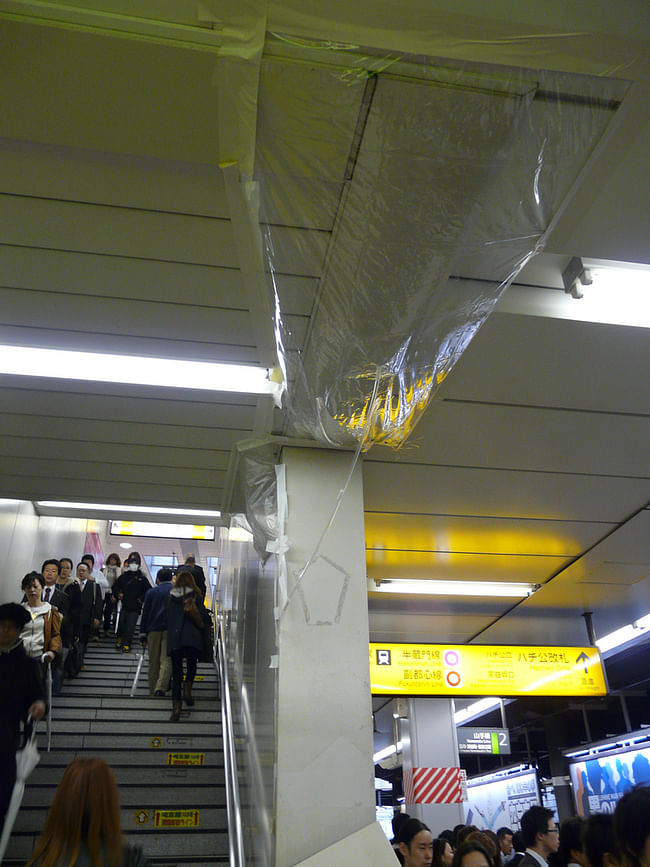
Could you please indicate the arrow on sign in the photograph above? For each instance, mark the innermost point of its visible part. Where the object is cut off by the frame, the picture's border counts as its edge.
(584, 659)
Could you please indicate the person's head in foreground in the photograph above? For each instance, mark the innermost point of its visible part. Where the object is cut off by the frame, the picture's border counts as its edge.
(84, 817)
(415, 844)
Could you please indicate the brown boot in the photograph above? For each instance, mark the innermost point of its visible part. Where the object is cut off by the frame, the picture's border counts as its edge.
(187, 693)
(176, 712)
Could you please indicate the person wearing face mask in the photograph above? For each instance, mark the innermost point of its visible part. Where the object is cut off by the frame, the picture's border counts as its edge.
(130, 588)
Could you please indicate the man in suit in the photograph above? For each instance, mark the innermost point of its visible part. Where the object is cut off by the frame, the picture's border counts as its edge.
(91, 605)
(504, 835)
(196, 570)
(51, 570)
(541, 836)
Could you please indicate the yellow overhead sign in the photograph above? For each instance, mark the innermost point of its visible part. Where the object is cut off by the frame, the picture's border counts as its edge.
(468, 669)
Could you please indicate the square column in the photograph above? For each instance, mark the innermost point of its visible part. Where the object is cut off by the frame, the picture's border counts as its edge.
(324, 780)
(429, 741)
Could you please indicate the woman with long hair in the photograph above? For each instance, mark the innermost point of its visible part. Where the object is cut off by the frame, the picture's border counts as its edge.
(185, 625)
(82, 828)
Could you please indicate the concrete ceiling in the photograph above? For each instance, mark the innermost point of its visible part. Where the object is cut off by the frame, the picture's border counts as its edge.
(116, 235)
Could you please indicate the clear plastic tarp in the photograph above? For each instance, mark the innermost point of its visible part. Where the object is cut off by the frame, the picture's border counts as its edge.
(399, 198)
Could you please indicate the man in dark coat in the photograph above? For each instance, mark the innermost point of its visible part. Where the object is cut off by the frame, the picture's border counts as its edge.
(21, 695)
(130, 589)
(197, 572)
(153, 632)
(91, 605)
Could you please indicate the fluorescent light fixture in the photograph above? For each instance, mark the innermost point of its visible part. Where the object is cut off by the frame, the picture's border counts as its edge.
(152, 530)
(617, 293)
(386, 752)
(477, 708)
(426, 586)
(126, 545)
(499, 775)
(624, 635)
(135, 370)
(147, 510)
(597, 749)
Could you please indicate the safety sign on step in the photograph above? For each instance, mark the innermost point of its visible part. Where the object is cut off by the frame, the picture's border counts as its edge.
(176, 818)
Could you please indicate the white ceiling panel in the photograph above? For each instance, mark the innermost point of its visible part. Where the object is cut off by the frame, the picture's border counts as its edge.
(435, 489)
(91, 228)
(531, 438)
(116, 454)
(555, 363)
(120, 180)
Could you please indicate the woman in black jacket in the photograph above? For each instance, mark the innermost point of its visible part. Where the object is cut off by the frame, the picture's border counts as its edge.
(129, 589)
(185, 625)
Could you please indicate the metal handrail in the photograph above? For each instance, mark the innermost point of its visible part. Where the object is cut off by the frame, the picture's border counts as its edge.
(233, 804)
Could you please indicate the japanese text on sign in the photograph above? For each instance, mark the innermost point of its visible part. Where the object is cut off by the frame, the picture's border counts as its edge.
(435, 669)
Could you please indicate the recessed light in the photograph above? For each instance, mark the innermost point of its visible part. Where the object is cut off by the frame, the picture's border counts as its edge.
(108, 507)
(427, 586)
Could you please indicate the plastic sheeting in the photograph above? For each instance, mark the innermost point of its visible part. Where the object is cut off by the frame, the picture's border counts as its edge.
(399, 198)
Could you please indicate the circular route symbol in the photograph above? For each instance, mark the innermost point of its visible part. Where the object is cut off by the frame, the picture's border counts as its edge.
(451, 657)
(453, 678)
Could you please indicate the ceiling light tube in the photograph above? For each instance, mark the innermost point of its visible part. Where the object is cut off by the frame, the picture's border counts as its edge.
(630, 632)
(501, 589)
(477, 708)
(135, 370)
(386, 752)
(108, 507)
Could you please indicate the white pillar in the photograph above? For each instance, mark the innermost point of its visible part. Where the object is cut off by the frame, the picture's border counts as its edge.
(429, 741)
(324, 780)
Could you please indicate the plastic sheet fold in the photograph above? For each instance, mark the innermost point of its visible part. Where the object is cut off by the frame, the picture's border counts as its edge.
(397, 206)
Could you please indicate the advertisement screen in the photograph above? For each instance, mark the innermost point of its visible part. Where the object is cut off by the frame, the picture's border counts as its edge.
(500, 802)
(600, 781)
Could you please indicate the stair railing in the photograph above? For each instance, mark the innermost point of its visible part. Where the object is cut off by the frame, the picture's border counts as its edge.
(233, 804)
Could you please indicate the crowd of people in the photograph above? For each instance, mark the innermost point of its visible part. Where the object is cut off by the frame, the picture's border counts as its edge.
(60, 613)
(621, 839)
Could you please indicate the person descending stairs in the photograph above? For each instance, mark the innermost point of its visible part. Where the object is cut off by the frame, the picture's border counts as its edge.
(170, 774)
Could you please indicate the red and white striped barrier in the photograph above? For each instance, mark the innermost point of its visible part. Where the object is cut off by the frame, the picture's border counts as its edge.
(435, 785)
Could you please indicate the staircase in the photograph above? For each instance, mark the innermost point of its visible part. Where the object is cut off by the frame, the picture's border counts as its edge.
(170, 775)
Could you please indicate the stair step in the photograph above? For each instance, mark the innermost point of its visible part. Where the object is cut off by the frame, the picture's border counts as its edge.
(133, 796)
(144, 775)
(211, 756)
(98, 743)
(133, 819)
(164, 847)
(128, 714)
